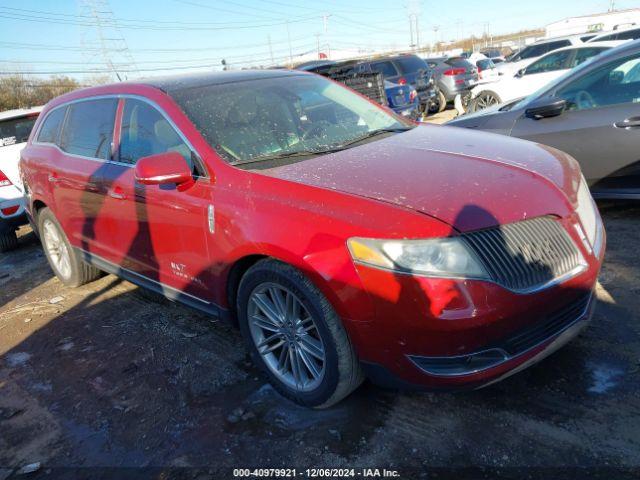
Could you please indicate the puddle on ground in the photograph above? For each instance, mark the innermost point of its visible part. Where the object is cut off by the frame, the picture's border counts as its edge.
(97, 448)
(604, 377)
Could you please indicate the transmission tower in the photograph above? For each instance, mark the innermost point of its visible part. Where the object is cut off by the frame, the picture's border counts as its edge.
(103, 41)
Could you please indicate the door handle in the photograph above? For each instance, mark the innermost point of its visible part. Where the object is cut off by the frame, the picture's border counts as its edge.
(633, 122)
(117, 193)
(53, 178)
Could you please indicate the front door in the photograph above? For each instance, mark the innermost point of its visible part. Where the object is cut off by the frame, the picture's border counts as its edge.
(158, 233)
(601, 126)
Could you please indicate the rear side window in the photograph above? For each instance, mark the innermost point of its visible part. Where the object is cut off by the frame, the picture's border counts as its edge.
(16, 130)
(385, 68)
(50, 130)
(411, 64)
(628, 35)
(551, 46)
(88, 130)
(146, 132)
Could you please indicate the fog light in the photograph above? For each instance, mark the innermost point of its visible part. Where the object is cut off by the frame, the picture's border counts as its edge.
(461, 365)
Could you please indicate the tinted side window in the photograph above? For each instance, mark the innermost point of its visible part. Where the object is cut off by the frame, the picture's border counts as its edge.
(50, 130)
(146, 132)
(628, 35)
(584, 54)
(88, 130)
(551, 46)
(615, 83)
(549, 63)
(386, 68)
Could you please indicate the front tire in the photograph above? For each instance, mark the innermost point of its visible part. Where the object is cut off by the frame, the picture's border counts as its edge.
(65, 262)
(295, 336)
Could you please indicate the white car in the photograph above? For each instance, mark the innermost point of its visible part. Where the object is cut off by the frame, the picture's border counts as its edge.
(535, 76)
(15, 127)
(487, 71)
(630, 33)
(533, 52)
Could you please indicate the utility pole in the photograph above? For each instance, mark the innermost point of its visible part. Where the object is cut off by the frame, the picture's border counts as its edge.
(417, 33)
(290, 50)
(435, 36)
(411, 30)
(318, 44)
(112, 45)
(270, 49)
(612, 5)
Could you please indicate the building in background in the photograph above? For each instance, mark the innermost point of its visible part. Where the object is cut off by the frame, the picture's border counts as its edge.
(600, 22)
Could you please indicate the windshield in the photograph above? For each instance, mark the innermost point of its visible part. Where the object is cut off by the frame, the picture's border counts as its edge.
(552, 85)
(255, 120)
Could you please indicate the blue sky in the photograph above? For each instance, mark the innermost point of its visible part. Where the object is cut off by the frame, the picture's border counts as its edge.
(59, 35)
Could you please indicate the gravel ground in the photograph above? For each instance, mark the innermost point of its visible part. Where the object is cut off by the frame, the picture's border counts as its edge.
(99, 381)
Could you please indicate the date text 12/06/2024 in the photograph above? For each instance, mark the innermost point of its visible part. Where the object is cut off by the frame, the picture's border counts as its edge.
(316, 473)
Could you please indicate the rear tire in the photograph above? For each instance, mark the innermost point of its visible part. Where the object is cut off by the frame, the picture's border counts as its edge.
(302, 332)
(484, 99)
(439, 104)
(8, 240)
(63, 259)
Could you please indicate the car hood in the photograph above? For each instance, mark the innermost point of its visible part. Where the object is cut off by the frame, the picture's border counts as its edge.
(469, 179)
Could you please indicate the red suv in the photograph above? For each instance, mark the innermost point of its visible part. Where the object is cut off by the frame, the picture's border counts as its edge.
(344, 240)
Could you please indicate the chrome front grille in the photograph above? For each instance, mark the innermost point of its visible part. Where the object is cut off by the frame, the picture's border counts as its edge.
(527, 255)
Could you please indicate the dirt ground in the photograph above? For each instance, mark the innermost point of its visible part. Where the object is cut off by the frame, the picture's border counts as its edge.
(104, 381)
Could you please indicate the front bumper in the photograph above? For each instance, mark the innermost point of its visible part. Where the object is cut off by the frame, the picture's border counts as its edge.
(455, 334)
(487, 364)
(450, 90)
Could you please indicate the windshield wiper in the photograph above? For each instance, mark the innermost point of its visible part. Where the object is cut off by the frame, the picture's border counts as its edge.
(277, 156)
(374, 133)
(338, 148)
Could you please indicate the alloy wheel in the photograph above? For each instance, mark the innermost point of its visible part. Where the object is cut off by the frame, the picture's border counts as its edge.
(286, 336)
(57, 249)
(486, 100)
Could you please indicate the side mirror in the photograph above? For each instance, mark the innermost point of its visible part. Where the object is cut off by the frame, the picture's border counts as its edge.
(163, 168)
(545, 107)
(520, 73)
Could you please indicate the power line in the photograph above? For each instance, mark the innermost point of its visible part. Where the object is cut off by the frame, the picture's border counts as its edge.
(138, 26)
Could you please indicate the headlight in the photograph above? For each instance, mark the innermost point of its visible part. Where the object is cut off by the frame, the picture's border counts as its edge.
(587, 212)
(438, 257)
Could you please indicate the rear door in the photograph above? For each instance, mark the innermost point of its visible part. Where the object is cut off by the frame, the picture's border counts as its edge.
(77, 167)
(601, 126)
(157, 231)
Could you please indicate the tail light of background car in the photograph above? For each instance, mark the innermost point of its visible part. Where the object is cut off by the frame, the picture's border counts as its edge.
(9, 210)
(4, 181)
(454, 71)
(402, 81)
(412, 95)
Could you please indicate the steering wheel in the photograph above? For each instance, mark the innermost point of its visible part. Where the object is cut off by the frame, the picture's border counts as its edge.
(584, 100)
(317, 129)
